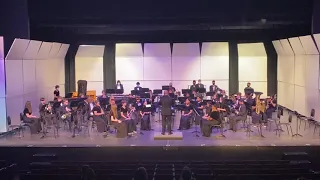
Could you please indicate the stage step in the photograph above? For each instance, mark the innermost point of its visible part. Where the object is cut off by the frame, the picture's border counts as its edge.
(174, 136)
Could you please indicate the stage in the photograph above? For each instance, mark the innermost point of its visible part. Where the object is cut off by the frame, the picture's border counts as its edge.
(188, 138)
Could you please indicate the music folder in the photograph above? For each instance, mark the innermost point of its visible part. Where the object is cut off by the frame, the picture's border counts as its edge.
(147, 108)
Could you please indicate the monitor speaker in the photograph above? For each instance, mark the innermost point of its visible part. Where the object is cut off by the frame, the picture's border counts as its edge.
(82, 87)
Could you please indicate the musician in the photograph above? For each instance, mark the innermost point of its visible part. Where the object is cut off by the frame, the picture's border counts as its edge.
(32, 121)
(103, 94)
(65, 110)
(115, 120)
(56, 92)
(248, 90)
(48, 118)
(193, 86)
(145, 120)
(199, 85)
(138, 87)
(213, 88)
(81, 95)
(199, 105)
(171, 88)
(126, 117)
(186, 116)
(100, 118)
(138, 104)
(210, 120)
(42, 103)
(119, 86)
(271, 107)
(166, 102)
(240, 114)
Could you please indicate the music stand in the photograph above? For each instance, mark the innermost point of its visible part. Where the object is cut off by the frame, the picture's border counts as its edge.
(144, 90)
(134, 92)
(103, 102)
(68, 95)
(110, 91)
(185, 91)
(165, 88)
(157, 91)
(210, 93)
(119, 91)
(182, 99)
(297, 128)
(201, 90)
(145, 95)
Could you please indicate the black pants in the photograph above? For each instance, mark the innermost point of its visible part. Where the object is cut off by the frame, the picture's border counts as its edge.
(166, 123)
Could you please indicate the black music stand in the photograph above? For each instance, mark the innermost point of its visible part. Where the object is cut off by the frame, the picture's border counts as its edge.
(134, 92)
(103, 102)
(145, 95)
(110, 91)
(182, 99)
(165, 88)
(297, 128)
(201, 90)
(210, 93)
(144, 90)
(68, 95)
(157, 91)
(119, 91)
(185, 91)
(148, 109)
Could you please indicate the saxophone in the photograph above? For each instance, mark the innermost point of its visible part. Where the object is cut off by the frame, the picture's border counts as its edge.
(260, 106)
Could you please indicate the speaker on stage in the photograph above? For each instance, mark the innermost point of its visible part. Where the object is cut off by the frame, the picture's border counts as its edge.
(82, 87)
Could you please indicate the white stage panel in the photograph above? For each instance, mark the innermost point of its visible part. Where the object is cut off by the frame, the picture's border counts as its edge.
(252, 68)
(286, 69)
(61, 71)
(278, 47)
(308, 45)
(157, 50)
(300, 70)
(15, 106)
(312, 96)
(2, 70)
(90, 51)
(54, 50)
(17, 49)
(186, 50)
(214, 67)
(251, 50)
(63, 51)
(155, 84)
(3, 115)
(286, 47)
(311, 71)
(14, 78)
(90, 69)
(300, 99)
(215, 49)
(156, 68)
(286, 95)
(44, 51)
(257, 86)
(129, 50)
(95, 85)
(29, 76)
(223, 84)
(296, 46)
(129, 68)
(32, 50)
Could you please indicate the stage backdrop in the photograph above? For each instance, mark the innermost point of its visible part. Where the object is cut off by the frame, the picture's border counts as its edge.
(33, 68)
(253, 67)
(3, 120)
(89, 66)
(298, 74)
(155, 65)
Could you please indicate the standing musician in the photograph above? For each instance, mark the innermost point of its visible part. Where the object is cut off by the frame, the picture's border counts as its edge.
(42, 103)
(166, 103)
(171, 88)
(100, 118)
(248, 91)
(239, 115)
(119, 85)
(199, 106)
(213, 88)
(66, 111)
(211, 119)
(115, 120)
(32, 121)
(199, 85)
(193, 86)
(145, 120)
(126, 117)
(56, 92)
(138, 87)
(186, 116)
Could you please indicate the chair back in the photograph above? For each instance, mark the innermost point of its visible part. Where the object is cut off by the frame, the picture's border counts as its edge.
(290, 118)
(21, 116)
(8, 120)
(313, 113)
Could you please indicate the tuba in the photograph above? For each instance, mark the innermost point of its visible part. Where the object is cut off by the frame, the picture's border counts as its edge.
(260, 106)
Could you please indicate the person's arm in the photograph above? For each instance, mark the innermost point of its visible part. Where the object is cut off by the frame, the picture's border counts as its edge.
(142, 113)
(97, 114)
(122, 115)
(115, 120)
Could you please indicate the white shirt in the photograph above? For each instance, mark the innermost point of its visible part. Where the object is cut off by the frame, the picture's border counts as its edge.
(91, 107)
(118, 86)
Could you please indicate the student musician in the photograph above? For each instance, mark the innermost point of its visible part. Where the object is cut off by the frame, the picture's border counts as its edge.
(42, 103)
(213, 88)
(238, 115)
(49, 118)
(171, 89)
(138, 87)
(56, 92)
(271, 107)
(208, 120)
(145, 120)
(31, 120)
(193, 86)
(118, 86)
(186, 116)
(200, 109)
(100, 118)
(66, 111)
(126, 117)
(115, 120)
(248, 91)
(199, 85)
(103, 94)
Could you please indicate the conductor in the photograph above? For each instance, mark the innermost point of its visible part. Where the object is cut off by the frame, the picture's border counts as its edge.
(166, 103)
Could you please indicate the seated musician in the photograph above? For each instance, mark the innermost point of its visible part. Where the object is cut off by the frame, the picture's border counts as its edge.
(103, 94)
(138, 87)
(271, 107)
(88, 106)
(49, 118)
(31, 120)
(145, 120)
(65, 110)
(171, 88)
(126, 117)
(238, 115)
(193, 86)
(115, 120)
(208, 120)
(100, 118)
(199, 85)
(193, 95)
(199, 105)
(213, 88)
(186, 116)
(56, 92)
(119, 85)
(138, 107)
(42, 103)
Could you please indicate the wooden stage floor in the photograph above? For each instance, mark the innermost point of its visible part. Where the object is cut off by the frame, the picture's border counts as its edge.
(189, 139)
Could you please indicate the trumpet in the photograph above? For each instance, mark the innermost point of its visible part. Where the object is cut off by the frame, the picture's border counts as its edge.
(65, 116)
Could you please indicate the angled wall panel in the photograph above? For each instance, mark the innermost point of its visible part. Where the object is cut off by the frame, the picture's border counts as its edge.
(63, 51)
(286, 95)
(3, 111)
(186, 62)
(296, 46)
(32, 50)
(54, 51)
(278, 47)
(286, 63)
(309, 45)
(44, 51)
(286, 47)
(17, 49)
(215, 61)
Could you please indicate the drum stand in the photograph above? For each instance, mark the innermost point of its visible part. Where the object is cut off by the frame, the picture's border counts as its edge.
(297, 129)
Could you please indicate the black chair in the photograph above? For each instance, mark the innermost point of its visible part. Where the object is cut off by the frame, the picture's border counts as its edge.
(12, 127)
(310, 119)
(287, 124)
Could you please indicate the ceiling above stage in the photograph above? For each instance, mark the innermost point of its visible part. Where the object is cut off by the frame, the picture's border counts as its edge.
(117, 19)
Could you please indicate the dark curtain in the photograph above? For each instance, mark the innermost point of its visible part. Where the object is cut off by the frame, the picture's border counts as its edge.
(272, 66)
(233, 68)
(70, 75)
(109, 66)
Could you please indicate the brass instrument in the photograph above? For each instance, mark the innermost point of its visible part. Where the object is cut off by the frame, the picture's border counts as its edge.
(65, 116)
(260, 105)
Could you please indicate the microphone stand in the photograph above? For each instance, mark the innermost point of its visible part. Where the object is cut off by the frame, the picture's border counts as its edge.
(297, 128)
(197, 114)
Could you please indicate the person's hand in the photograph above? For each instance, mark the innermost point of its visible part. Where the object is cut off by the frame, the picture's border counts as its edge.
(127, 118)
(119, 121)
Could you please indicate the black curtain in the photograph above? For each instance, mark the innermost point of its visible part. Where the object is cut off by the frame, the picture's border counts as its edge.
(109, 66)
(70, 73)
(233, 68)
(272, 67)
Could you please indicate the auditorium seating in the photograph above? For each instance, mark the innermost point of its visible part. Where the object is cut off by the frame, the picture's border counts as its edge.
(266, 169)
